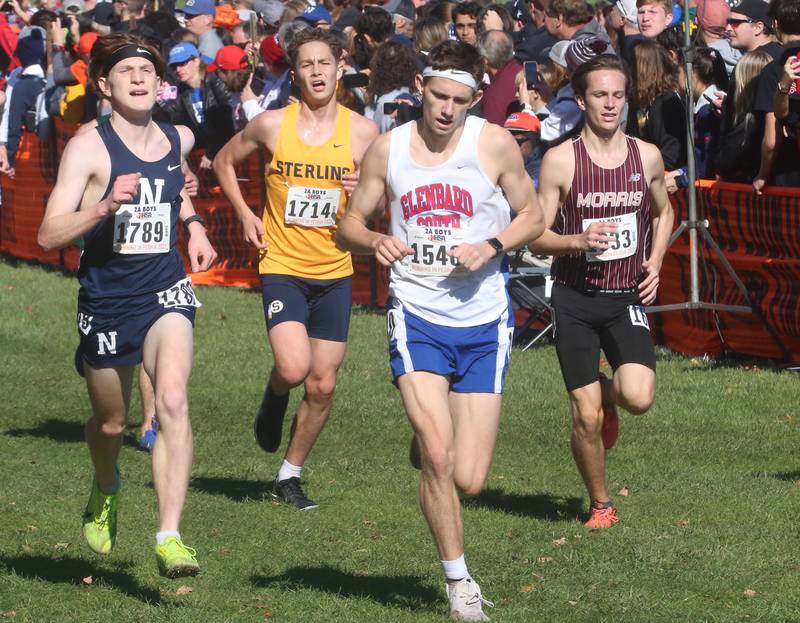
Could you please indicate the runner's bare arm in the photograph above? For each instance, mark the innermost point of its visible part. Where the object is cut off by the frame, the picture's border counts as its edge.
(201, 253)
(502, 160)
(663, 218)
(255, 134)
(555, 178)
(63, 220)
(366, 203)
(364, 132)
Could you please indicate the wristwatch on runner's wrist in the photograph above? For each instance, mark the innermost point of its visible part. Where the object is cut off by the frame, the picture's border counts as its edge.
(496, 245)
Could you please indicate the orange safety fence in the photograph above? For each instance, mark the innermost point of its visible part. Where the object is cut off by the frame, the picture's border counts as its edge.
(759, 235)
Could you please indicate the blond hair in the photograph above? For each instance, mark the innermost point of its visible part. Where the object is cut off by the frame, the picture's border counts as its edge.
(745, 81)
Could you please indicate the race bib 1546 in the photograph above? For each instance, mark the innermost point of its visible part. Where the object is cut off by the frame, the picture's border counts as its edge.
(431, 246)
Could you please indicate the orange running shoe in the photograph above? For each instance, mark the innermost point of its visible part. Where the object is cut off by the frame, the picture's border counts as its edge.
(601, 518)
(610, 429)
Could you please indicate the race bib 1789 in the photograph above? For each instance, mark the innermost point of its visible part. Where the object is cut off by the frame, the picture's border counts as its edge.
(142, 228)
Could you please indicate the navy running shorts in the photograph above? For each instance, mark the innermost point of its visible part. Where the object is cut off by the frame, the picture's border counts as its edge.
(321, 305)
(112, 331)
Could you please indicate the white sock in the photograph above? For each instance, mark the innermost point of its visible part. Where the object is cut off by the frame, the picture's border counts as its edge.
(455, 570)
(165, 534)
(289, 471)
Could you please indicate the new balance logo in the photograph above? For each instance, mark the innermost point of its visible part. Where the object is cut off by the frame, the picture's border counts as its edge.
(171, 167)
(635, 177)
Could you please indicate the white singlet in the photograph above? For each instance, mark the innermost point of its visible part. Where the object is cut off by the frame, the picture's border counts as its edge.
(434, 209)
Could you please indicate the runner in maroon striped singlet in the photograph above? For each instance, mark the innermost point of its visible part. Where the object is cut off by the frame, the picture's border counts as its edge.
(609, 220)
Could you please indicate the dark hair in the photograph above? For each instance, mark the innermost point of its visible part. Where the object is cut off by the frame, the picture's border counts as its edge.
(466, 8)
(309, 35)
(376, 23)
(457, 55)
(787, 15)
(393, 66)
(106, 45)
(573, 12)
(441, 10)
(502, 12)
(580, 76)
(710, 68)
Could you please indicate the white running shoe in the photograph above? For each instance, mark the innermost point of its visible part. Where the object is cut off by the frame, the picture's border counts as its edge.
(466, 601)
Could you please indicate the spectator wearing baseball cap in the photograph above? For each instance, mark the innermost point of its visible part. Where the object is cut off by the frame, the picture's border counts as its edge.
(200, 15)
(203, 103)
(712, 21)
(537, 41)
(232, 65)
(270, 12)
(73, 78)
(317, 16)
(26, 89)
(749, 27)
(404, 16)
(272, 88)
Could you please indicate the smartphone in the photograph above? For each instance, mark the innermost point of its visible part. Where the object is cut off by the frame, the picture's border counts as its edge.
(390, 107)
(531, 73)
(351, 81)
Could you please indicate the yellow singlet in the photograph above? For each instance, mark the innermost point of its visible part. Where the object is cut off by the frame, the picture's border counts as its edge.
(305, 198)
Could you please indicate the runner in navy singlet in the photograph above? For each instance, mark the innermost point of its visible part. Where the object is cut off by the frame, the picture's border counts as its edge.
(609, 219)
(121, 188)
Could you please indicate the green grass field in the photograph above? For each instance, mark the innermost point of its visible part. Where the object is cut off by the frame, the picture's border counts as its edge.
(708, 531)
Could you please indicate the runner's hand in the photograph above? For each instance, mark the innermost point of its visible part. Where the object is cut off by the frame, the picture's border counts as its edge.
(190, 183)
(125, 188)
(201, 253)
(473, 256)
(597, 236)
(254, 231)
(389, 249)
(648, 288)
(350, 181)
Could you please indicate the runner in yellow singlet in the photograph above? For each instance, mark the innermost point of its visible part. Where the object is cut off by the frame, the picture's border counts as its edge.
(314, 149)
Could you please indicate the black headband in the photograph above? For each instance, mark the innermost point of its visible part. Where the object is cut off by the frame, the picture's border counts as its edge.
(127, 51)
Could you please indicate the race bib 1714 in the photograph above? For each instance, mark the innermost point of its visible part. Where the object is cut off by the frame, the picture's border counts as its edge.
(311, 207)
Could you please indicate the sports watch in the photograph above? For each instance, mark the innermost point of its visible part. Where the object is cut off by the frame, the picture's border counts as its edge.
(496, 245)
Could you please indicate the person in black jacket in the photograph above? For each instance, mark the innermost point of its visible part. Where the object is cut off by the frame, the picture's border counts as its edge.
(203, 103)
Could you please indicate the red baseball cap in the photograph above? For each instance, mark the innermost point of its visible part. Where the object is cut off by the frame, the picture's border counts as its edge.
(270, 50)
(230, 58)
(523, 122)
(86, 42)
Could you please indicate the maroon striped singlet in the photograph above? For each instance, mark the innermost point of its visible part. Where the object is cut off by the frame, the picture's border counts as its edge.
(601, 193)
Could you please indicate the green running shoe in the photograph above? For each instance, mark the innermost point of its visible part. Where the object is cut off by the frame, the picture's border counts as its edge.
(100, 518)
(175, 560)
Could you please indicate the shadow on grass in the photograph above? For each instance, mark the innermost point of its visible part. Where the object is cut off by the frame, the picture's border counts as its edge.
(72, 571)
(234, 489)
(403, 591)
(792, 476)
(540, 506)
(64, 431)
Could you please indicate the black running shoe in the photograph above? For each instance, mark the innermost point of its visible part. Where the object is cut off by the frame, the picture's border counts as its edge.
(291, 492)
(269, 420)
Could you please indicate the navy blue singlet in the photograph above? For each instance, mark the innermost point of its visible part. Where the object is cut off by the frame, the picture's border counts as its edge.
(134, 251)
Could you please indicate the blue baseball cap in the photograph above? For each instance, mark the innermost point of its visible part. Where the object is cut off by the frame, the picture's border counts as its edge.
(199, 7)
(316, 13)
(181, 53)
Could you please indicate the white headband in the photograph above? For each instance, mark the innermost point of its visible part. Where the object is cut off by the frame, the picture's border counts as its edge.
(451, 74)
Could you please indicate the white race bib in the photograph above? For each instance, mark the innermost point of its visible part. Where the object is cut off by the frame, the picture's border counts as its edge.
(431, 246)
(179, 295)
(625, 238)
(142, 228)
(311, 207)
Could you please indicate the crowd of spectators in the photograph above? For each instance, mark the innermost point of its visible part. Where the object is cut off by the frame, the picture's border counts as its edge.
(227, 64)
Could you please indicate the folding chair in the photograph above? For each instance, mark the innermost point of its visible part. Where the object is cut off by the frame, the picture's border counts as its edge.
(529, 289)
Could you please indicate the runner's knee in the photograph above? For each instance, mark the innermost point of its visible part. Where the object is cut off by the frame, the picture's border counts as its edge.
(438, 462)
(321, 388)
(586, 419)
(637, 401)
(112, 426)
(292, 373)
(171, 403)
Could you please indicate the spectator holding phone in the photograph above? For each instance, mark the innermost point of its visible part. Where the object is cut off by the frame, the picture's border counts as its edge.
(391, 79)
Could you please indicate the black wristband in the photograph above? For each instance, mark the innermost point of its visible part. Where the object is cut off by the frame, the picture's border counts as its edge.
(194, 218)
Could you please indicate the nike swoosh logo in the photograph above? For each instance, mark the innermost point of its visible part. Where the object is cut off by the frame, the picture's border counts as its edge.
(140, 50)
(339, 145)
(172, 168)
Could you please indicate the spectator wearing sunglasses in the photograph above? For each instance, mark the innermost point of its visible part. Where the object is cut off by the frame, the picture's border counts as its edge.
(749, 27)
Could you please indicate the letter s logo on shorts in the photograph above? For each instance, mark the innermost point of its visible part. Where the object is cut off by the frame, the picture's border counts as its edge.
(275, 307)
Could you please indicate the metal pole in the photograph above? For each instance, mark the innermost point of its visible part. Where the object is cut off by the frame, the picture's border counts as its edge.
(691, 171)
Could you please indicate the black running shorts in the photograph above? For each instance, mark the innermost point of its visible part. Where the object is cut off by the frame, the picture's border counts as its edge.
(585, 322)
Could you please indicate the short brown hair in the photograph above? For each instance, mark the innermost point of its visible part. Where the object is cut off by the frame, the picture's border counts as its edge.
(573, 12)
(665, 4)
(580, 77)
(457, 55)
(309, 35)
(106, 45)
